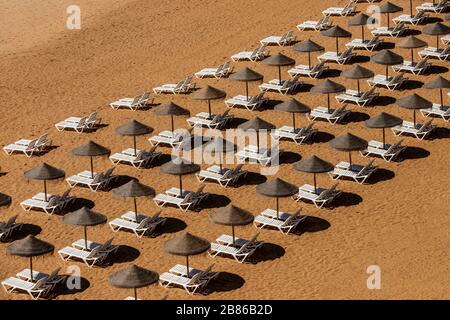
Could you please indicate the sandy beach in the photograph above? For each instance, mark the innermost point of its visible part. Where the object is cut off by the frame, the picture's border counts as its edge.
(398, 221)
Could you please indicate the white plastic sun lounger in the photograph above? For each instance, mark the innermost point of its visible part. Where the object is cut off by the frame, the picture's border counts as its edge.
(320, 198)
(90, 258)
(255, 55)
(362, 99)
(420, 131)
(391, 83)
(284, 226)
(298, 135)
(145, 227)
(388, 152)
(437, 110)
(333, 116)
(191, 285)
(340, 58)
(358, 173)
(432, 52)
(53, 203)
(184, 86)
(225, 178)
(79, 124)
(52, 279)
(415, 68)
(285, 87)
(282, 40)
(367, 44)
(322, 24)
(176, 140)
(446, 39)
(141, 159)
(8, 227)
(221, 71)
(433, 7)
(207, 274)
(393, 32)
(227, 240)
(28, 146)
(106, 247)
(251, 104)
(240, 253)
(183, 204)
(213, 121)
(134, 103)
(263, 156)
(305, 70)
(414, 20)
(34, 289)
(100, 180)
(347, 10)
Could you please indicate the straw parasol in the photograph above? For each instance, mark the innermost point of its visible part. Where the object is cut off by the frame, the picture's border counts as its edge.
(44, 172)
(383, 120)
(387, 58)
(328, 87)
(256, 124)
(246, 75)
(133, 277)
(91, 150)
(186, 245)
(357, 72)
(171, 109)
(313, 165)
(279, 60)
(134, 128)
(179, 167)
(308, 46)
(5, 200)
(414, 102)
(360, 20)
(231, 216)
(436, 29)
(348, 142)
(411, 43)
(438, 83)
(276, 188)
(29, 247)
(293, 106)
(209, 93)
(84, 217)
(389, 8)
(133, 189)
(336, 32)
(219, 145)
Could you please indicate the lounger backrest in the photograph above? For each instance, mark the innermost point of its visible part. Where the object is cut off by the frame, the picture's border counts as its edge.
(419, 14)
(40, 284)
(66, 193)
(422, 62)
(368, 93)
(394, 146)
(348, 6)
(324, 194)
(291, 218)
(145, 96)
(346, 53)
(52, 275)
(155, 216)
(216, 118)
(237, 169)
(318, 66)
(152, 149)
(367, 167)
(399, 26)
(207, 270)
(294, 79)
(94, 253)
(225, 67)
(326, 20)
(374, 40)
(180, 84)
(135, 100)
(92, 117)
(42, 140)
(321, 21)
(441, 3)
(225, 114)
(105, 245)
(10, 221)
(445, 51)
(425, 126)
(144, 223)
(200, 189)
(397, 78)
(196, 278)
(308, 128)
(249, 243)
(338, 111)
(107, 174)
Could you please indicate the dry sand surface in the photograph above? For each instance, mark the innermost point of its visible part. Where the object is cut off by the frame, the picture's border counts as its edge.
(47, 73)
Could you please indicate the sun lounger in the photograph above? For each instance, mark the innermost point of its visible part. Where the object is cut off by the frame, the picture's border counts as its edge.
(207, 274)
(34, 289)
(414, 20)
(191, 285)
(357, 172)
(253, 103)
(320, 197)
(362, 99)
(433, 7)
(134, 103)
(367, 44)
(79, 124)
(239, 253)
(141, 159)
(100, 180)
(7, 228)
(285, 225)
(415, 68)
(213, 121)
(176, 140)
(224, 178)
(28, 146)
(298, 135)
(263, 156)
(90, 258)
(347, 10)
(221, 71)
(391, 83)
(184, 86)
(183, 204)
(285, 87)
(437, 110)
(54, 203)
(322, 24)
(420, 131)
(388, 152)
(333, 116)
(282, 40)
(52, 279)
(197, 196)
(255, 55)
(432, 52)
(106, 247)
(305, 70)
(393, 32)
(227, 240)
(340, 58)
(146, 226)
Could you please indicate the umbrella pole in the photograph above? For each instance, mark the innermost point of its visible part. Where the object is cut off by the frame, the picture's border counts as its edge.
(246, 89)
(31, 269)
(309, 59)
(328, 102)
(92, 167)
(187, 267)
(293, 120)
(350, 159)
(45, 190)
(135, 209)
(135, 293)
(173, 127)
(337, 45)
(388, 19)
(437, 41)
(384, 139)
(209, 108)
(134, 142)
(410, 8)
(257, 141)
(278, 208)
(279, 75)
(220, 162)
(181, 186)
(442, 99)
(412, 55)
(358, 86)
(315, 183)
(232, 230)
(414, 118)
(85, 238)
(387, 72)
(362, 32)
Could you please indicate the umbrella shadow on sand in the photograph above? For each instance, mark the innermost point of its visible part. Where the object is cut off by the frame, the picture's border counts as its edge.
(436, 70)
(118, 181)
(410, 32)
(346, 199)
(411, 84)
(380, 175)
(383, 101)
(214, 201)
(269, 105)
(71, 285)
(412, 153)
(79, 203)
(224, 282)
(385, 45)
(124, 254)
(235, 122)
(268, 251)
(330, 73)
(252, 178)
(288, 157)
(360, 59)
(312, 224)
(322, 137)
(356, 116)
(172, 225)
(25, 230)
(440, 133)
